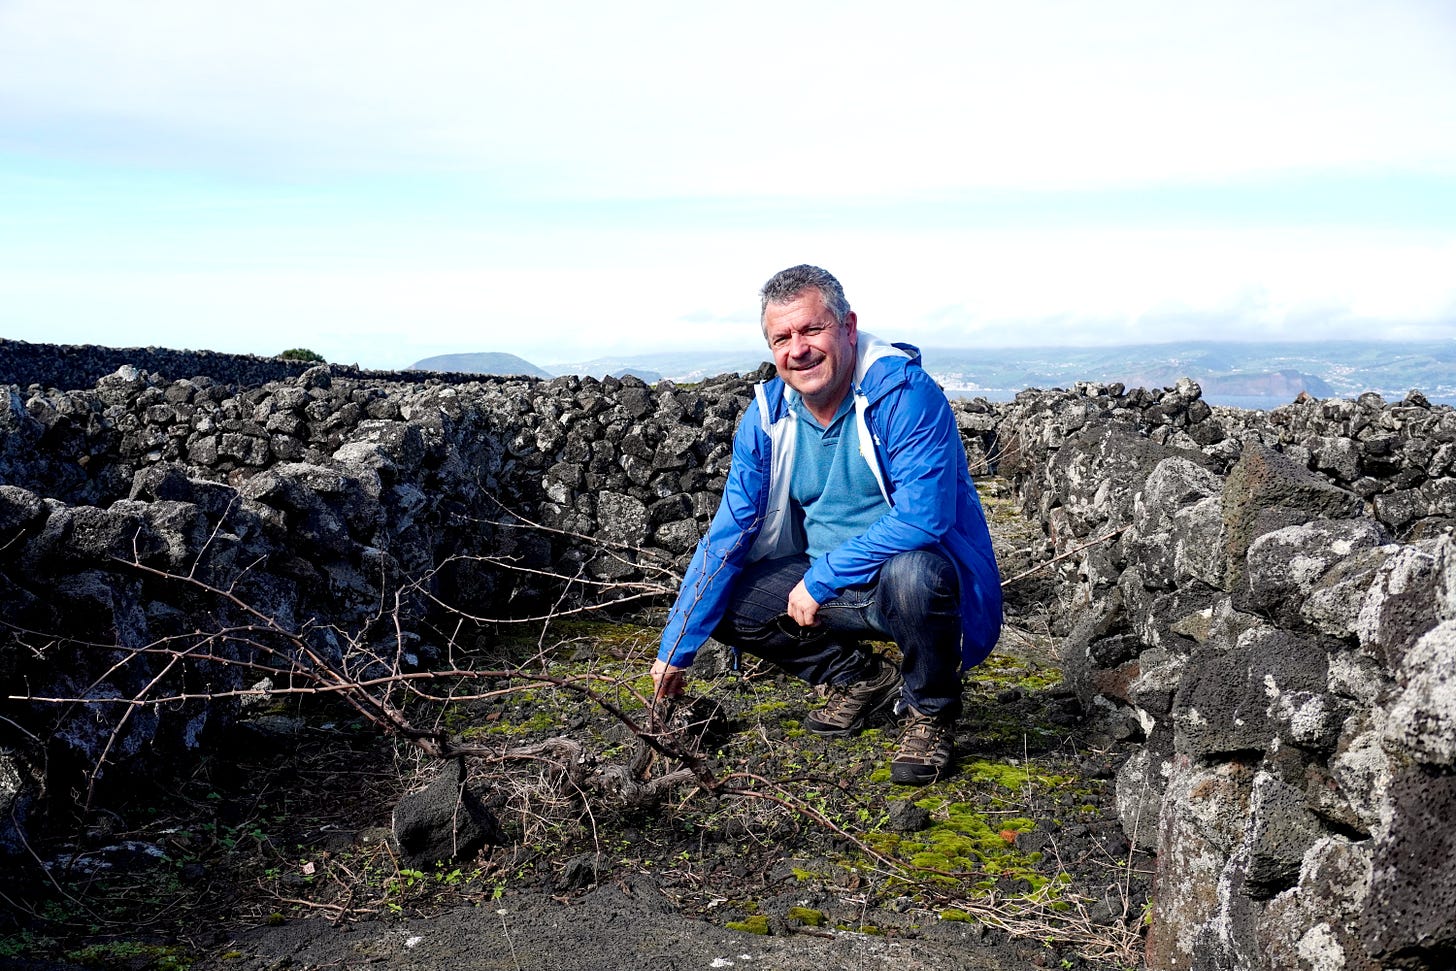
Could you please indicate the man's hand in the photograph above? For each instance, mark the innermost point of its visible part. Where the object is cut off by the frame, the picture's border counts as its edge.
(668, 680)
(803, 609)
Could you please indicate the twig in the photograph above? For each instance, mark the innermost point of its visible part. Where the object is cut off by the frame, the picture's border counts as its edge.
(1062, 556)
(509, 943)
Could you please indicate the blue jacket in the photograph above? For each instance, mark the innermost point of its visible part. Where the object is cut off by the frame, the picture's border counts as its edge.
(908, 434)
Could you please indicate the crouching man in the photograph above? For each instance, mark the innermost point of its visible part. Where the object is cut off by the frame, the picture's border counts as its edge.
(849, 513)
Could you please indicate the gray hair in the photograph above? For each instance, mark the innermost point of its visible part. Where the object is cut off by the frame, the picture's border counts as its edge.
(786, 286)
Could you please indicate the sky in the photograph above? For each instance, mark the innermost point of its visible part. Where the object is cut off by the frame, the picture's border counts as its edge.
(383, 182)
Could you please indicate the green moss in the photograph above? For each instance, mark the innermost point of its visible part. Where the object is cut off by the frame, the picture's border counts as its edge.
(886, 843)
(769, 708)
(1036, 880)
(962, 840)
(753, 924)
(606, 638)
(807, 916)
(951, 913)
(24, 944)
(1005, 670)
(539, 722)
(459, 719)
(151, 956)
(1012, 778)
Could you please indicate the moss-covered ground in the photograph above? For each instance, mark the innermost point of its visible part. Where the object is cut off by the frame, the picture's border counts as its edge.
(796, 834)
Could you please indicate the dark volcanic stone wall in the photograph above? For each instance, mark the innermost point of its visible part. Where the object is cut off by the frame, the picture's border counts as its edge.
(1400, 457)
(73, 366)
(1267, 604)
(315, 500)
(82, 365)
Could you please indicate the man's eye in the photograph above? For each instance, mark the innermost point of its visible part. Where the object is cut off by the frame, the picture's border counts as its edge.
(813, 331)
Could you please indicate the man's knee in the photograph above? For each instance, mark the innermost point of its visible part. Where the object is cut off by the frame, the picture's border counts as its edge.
(919, 580)
(743, 632)
(767, 637)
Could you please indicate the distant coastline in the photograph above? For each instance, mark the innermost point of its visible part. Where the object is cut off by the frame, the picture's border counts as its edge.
(1244, 374)
(1247, 402)
(1250, 376)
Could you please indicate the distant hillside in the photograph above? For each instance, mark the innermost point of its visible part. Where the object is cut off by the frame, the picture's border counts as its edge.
(1276, 370)
(484, 362)
(677, 365)
(1325, 369)
(650, 377)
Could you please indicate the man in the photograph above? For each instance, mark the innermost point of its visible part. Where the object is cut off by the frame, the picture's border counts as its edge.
(848, 512)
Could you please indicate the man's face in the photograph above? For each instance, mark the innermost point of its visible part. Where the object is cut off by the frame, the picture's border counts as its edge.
(813, 353)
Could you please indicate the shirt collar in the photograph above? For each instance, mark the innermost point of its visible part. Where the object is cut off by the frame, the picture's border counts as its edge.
(800, 410)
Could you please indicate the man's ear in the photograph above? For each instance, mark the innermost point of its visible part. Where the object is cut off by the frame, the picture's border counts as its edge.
(851, 327)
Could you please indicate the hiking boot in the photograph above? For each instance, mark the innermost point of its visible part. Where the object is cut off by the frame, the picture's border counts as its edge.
(849, 707)
(927, 745)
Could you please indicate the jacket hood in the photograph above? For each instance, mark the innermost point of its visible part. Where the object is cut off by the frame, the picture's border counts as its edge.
(880, 365)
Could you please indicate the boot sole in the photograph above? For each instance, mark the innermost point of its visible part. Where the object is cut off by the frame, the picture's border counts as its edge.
(859, 724)
(916, 775)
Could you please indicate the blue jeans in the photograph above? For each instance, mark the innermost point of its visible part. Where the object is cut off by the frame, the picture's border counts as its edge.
(914, 601)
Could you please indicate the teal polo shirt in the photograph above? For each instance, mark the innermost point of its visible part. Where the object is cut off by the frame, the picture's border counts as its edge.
(831, 483)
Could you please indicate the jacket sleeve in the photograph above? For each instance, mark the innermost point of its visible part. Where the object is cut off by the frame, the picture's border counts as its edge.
(923, 453)
(722, 553)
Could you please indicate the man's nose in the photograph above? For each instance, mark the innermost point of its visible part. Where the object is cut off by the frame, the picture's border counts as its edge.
(798, 344)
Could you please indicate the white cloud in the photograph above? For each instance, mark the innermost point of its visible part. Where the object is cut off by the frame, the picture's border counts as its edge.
(817, 98)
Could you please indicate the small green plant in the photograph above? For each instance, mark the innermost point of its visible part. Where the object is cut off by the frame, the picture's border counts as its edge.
(398, 886)
(301, 354)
